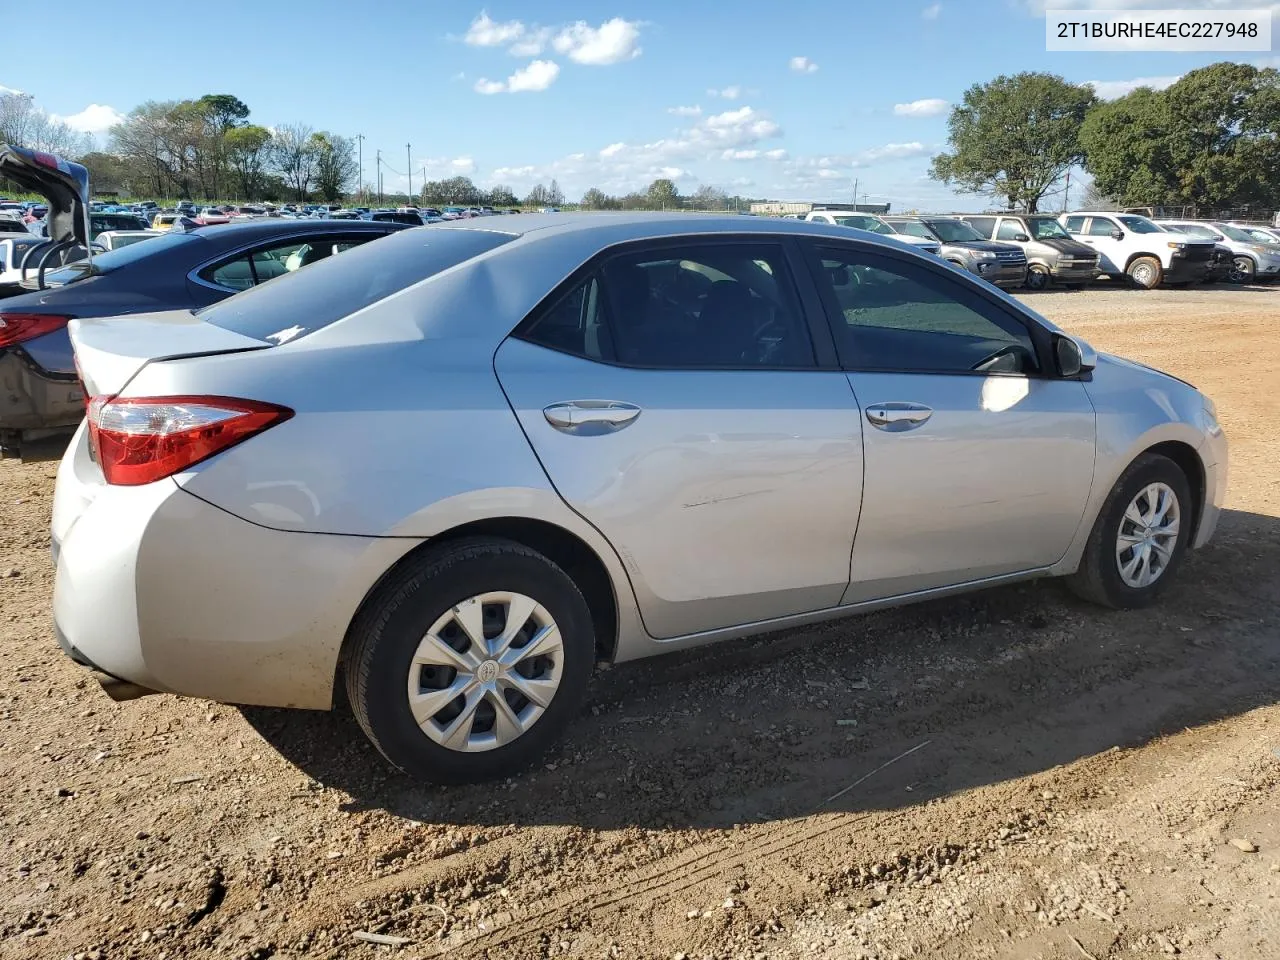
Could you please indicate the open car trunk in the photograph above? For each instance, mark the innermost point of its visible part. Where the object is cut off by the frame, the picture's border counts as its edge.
(65, 185)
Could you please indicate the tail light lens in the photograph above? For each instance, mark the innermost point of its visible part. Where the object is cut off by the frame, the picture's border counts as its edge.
(139, 440)
(16, 328)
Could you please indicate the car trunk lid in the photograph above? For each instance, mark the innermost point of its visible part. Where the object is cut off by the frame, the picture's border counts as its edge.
(109, 351)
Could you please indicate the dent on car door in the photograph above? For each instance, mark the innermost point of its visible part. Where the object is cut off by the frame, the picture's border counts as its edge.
(673, 397)
(978, 462)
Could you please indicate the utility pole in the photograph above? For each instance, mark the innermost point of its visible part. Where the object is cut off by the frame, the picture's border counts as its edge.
(379, 178)
(408, 155)
(855, 193)
(1066, 193)
(360, 148)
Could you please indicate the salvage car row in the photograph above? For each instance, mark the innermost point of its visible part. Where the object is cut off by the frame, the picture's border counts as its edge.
(1072, 249)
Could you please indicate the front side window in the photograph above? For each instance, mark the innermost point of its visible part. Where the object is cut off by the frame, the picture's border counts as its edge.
(984, 225)
(1009, 229)
(893, 315)
(705, 305)
(1140, 225)
(1101, 227)
(1075, 224)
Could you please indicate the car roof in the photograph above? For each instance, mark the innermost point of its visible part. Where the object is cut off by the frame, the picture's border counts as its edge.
(247, 231)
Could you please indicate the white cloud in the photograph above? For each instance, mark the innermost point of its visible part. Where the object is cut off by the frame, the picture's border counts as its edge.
(95, 118)
(1038, 7)
(487, 32)
(1113, 89)
(514, 173)
(460, 75)
(613, 149)
(694, 111)
(534, 77)
(802, 65)
(726, 93)
(613, 41)
(732, 154)
(776, 154)
(892, 151)
(532, 43)
(931, 12)
(462, 164)
(930, 107)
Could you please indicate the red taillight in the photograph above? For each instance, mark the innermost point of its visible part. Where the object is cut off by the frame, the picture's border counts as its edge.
(143, 439)
(18, 327)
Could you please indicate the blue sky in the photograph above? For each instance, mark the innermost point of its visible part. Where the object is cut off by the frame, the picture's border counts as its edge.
(757, 97)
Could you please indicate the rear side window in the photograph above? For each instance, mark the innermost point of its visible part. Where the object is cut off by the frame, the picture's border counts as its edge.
(983, 225)
(302, 302)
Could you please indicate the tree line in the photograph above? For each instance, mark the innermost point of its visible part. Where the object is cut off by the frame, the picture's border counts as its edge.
(209, 149)
(1211, 140)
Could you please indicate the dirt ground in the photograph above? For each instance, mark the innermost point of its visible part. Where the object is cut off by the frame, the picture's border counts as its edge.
(1081, 782)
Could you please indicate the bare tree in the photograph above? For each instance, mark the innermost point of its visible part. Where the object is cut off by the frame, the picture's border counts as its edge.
(23, 124)
(295, 156)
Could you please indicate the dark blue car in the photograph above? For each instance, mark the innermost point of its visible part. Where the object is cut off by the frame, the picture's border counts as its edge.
(39, 393)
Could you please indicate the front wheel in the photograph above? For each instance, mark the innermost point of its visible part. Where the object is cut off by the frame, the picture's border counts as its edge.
(471, 662)
(1037, 277)
(1146, 272)
(1242, 270)
(1139, 538)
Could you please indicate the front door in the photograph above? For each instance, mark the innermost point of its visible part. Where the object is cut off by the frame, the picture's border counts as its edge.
(673, 397)
(978, 461)
(1098, 234)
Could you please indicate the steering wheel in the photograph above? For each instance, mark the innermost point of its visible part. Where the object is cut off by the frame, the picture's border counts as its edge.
(1005, 360)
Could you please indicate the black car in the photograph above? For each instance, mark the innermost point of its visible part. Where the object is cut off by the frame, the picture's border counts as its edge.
(407, 217)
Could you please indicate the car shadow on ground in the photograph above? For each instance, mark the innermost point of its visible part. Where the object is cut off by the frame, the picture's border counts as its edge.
(996, 685)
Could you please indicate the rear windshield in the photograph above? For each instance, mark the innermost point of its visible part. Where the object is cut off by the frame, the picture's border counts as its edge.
(309, 299)
(115, 259)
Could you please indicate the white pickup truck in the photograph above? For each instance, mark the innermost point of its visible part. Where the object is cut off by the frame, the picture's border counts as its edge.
(1134, 246)
(869, 221)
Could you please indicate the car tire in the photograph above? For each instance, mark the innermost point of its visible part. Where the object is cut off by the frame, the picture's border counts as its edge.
(394, 632)
(1242, 270)
(1146, 272)
(1037, 278)
(1101, 578)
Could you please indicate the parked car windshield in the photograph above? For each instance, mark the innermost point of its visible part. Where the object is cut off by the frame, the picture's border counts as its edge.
(954, 231)
(115, 259)
(1141, 225)
(1046, 228)
(1235, 233)
(913, 228)
(863, 223)
(302, 302)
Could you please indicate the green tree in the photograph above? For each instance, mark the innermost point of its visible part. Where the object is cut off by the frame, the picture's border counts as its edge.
(555, 196)
(539, 196)
(335, 164)
(247, 150)
(1211, 139)
(1014, 137)
(662, 195)
(594, 199)
(501, 196)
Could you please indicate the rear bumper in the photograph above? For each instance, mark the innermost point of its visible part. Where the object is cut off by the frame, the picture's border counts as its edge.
(32, 398)
(159, 588)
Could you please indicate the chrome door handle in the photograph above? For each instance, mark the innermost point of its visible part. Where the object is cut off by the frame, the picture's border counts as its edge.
(895, 416)
(590, 417)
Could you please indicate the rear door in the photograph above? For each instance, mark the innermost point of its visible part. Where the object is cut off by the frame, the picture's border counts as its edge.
(978, 462)
(678, 400)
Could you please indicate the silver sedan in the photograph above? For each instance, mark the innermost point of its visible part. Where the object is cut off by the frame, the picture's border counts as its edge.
(455, 468)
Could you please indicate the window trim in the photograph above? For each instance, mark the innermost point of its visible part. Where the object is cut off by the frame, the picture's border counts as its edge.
(1041, 338)
(814, 323)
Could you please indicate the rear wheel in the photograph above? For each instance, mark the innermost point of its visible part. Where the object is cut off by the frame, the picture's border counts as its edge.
(1139, 538)
(1145, 272)
(470, 663)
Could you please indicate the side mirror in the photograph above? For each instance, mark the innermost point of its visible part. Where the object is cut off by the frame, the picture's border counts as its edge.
(1021, 237)
(1073, 357)
(1117, 234)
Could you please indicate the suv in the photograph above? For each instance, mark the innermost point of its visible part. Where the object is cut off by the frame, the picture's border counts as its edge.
(1000, 263)
(1251, 258)
(1052, 256)
(871, 223)
(1134, 246)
